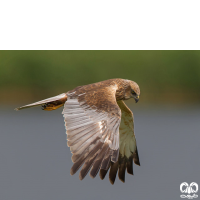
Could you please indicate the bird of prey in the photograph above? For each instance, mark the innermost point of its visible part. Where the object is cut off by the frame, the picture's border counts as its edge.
(99, 127)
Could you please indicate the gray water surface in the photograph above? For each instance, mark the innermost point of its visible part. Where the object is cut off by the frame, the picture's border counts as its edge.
(35, 161)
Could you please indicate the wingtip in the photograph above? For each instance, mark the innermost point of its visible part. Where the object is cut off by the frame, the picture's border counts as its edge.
(16, 109)
(112, 182)
(92, 176)
(72, 172)
(130, 172)
(136, 158)
(137, 162)
(81, 177)
(103, 173)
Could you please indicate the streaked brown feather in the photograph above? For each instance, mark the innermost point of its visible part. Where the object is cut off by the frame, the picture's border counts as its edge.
(113, 172)
(115, 155)
(122, 169)
(89, 161)
(107, 160)
(129, 165)
(103, 173)
(77, 164)
(84, 151)
(97, 164)
(136, 157)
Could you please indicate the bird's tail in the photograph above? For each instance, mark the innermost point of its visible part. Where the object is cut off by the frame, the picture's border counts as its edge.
(48, 104)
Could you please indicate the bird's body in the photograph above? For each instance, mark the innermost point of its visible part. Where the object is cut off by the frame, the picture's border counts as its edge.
(99, 127)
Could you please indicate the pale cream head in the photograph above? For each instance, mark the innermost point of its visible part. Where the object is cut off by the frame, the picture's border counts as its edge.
(132, 91)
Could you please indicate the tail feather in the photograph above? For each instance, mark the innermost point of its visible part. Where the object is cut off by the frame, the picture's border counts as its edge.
(48, 104)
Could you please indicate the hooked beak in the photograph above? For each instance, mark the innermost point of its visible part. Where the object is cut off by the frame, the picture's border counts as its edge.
(136, 98)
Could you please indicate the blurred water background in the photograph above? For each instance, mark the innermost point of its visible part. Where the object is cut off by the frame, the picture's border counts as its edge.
(35, 161)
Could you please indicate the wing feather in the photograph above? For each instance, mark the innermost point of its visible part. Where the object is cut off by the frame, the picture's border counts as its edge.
(92, 131)
(98, 138)
(81, 158)
(122, 169)
(103, 173)
(128, 147)
(97, 164)
(90, 160)
(113, 172)
(129, 165)
(106, 161)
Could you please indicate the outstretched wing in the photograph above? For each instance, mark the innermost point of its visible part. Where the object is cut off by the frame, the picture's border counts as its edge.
(128, 148)
(92, 122)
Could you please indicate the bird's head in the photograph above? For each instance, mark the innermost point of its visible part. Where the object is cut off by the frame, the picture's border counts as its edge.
(133, 91)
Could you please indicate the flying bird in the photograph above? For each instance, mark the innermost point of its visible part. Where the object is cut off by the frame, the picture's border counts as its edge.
(99, 127)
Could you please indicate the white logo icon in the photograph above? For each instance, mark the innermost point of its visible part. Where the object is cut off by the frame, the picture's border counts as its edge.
(189, 190)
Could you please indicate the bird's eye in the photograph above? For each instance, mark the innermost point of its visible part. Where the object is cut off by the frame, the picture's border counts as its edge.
(133, 92)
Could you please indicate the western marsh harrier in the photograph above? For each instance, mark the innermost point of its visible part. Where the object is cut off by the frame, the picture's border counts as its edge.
(99, 127)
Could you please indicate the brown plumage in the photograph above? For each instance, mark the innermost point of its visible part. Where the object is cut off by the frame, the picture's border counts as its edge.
(99, 127)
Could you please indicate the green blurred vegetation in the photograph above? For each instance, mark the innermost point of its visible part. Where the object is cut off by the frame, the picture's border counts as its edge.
(163, 76)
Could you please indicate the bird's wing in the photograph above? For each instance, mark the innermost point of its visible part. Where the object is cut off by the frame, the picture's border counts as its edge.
(128, 148)
(92, 122)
